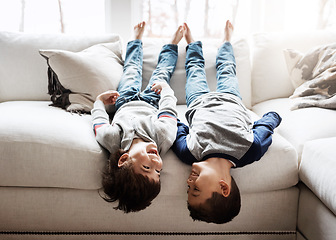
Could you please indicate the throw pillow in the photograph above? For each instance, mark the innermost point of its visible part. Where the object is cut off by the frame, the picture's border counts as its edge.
(313, 76)
(77, 78)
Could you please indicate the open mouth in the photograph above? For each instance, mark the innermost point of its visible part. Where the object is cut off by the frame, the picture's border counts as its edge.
(153, 151)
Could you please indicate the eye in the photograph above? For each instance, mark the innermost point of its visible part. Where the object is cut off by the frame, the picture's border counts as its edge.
(146, 167)
(158, 171)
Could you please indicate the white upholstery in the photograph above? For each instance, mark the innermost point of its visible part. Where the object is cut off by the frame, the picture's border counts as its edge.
(318, 169)
(44, 146)
(23, 71)
(306, 129)
(315, 220)
(269, 70)
(64, 146)
(84, 210)
(275, 171)
(302, 125)
(87, 73)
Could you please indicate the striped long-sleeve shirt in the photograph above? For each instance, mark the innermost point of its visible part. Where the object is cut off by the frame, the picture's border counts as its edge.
(137, 119)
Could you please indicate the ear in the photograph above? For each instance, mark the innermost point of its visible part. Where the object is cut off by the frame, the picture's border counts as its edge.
(123, 160)
(226, 188)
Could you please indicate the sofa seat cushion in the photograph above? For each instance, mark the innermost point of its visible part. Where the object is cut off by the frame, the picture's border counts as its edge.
(277, 169)
(302, 125)
(44, 146)
(318, 168)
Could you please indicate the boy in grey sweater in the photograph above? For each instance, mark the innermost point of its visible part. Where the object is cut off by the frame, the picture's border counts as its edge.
(142, 129)
(220, 135)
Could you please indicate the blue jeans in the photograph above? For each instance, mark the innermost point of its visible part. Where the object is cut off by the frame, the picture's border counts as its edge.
(131, 81)
(197, 85)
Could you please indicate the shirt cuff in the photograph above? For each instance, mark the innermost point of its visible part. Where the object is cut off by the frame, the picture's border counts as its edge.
(99, 104)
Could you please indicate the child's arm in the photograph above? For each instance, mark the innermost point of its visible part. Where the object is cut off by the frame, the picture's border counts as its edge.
(262, 131)
(180, 147)
(168, 101)
(167, 116)
(106, 135)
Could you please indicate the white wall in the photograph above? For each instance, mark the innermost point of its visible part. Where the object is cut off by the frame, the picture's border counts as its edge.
(121, 16)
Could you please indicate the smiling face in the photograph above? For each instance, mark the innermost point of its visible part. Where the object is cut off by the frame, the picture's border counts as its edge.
(202, 182)
(207, 177)
(145, 159)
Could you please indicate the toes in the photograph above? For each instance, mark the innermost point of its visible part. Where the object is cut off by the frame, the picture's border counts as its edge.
(140, 25)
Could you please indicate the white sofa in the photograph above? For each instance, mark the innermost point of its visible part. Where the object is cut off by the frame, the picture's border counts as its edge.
(50, 162)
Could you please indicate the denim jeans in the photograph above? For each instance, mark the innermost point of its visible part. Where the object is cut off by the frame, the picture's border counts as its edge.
(197, 85)
(131, 81)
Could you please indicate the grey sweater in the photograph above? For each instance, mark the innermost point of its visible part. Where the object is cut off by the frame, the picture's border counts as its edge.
(137, 119)
(217, 118)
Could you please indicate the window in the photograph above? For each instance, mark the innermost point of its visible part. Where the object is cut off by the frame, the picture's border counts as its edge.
(53, 16)
(205, 17)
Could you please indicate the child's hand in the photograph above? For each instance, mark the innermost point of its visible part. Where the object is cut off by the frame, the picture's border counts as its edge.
(108, 97)
(158, 86)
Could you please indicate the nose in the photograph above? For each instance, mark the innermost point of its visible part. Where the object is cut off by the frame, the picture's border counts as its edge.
(157, 162)
(190, 180)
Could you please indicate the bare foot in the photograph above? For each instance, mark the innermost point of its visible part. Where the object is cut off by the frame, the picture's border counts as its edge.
(187, 34)
(177, 35)
(139, 30)
(228, 31)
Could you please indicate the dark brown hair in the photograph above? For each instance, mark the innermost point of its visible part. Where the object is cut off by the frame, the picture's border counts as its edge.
(218, 209)
(133, 191)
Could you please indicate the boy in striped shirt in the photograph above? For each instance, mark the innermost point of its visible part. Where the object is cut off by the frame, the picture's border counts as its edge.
(142, 129)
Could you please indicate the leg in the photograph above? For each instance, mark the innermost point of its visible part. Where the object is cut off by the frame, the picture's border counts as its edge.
(227, 81)
(130, 83)
(164, 69)
(196, 84)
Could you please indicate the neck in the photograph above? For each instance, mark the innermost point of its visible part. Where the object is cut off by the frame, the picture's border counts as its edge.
(223, 166)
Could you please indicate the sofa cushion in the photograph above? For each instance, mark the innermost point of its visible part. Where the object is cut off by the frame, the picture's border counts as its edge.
(270, 77)
(23, 72)
(302, 125)
(303, 67)
(315, 220)
(318, 168)
(277, 169)
(312, 75)
(77, 78)
(44, 146)
(152, 48)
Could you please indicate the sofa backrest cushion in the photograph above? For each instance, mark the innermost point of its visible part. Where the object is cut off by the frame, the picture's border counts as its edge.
(77, 78)
(152, 48)
(270, 77)
(23, 72)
